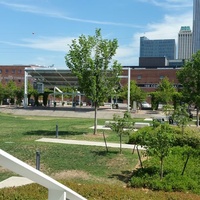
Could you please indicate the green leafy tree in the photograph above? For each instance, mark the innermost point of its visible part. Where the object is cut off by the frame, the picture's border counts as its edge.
(159, 143)
(136, 94)
(189, 77)
(122, 125)
(90, 59)
(11, 89)
(164, 93)
(157, 140)
(2, 93)
(181, 116)
(19, 95)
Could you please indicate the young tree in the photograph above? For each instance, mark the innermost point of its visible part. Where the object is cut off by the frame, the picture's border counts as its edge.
(11, 89)
(157, 140)
(2, 93)
(189, 77)
(164, 93)
(122, 125)
(136, 94)
(90, 59)
(181, 116)
(159, 143)
(19, 95)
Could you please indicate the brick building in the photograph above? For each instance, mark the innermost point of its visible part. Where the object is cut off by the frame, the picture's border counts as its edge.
(12, 72)
(146, 78)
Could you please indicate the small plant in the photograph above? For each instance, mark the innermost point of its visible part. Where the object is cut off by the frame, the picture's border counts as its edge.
(122, 126)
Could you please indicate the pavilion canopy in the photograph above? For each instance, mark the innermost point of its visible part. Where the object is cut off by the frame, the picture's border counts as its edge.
(52, 77)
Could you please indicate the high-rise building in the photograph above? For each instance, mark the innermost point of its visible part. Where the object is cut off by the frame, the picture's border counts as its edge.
(196, 25)
(185, 43)
(158, 48)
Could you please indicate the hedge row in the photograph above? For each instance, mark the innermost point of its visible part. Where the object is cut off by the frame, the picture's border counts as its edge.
(93, 191)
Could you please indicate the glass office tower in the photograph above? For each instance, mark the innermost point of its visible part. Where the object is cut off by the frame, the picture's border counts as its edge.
(158, 48)
(196, 25)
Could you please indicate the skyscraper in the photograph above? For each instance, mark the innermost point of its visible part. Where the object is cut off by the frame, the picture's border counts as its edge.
(158, 48)
(196, 25)
(185, 43)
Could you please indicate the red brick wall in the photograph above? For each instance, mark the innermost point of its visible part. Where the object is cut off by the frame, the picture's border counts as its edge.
(12, 72)
(148, 79)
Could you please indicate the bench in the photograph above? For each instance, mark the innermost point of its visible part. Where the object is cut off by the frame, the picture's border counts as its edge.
(137, 125)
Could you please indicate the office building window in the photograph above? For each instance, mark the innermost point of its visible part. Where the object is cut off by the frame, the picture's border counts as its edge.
(139, 77)
(161, 77)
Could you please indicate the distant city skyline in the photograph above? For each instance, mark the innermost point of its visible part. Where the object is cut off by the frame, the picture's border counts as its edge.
(40, 31)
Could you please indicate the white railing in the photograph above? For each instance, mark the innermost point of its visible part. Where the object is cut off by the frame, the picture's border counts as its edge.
(56, 190)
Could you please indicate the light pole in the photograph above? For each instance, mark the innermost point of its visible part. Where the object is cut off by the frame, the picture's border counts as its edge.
(129, 80)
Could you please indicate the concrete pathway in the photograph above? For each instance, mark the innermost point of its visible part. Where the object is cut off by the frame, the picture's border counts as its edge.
(79, 112)
(15, 181)
(88, 143)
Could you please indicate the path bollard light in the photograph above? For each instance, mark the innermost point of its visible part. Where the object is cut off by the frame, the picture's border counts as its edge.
(56, 131)
(37, 160)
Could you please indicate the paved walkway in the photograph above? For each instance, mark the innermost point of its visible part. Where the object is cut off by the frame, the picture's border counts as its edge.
(104, 112)
(88, 143)
(15, 181)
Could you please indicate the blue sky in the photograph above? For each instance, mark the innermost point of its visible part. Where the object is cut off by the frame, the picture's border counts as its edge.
(40, 31)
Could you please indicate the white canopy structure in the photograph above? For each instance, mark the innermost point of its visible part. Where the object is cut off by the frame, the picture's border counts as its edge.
(52, 77)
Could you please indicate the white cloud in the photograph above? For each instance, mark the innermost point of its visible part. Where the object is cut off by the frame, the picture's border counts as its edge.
(59, 15)
(45, 43)
(170, 4)
(48, 43)
(169, 28)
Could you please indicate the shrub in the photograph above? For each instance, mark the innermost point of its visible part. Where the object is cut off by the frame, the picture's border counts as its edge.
(191, 137)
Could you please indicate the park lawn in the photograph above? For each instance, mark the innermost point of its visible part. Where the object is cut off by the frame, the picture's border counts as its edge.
(18, 135)
(91, 171)
(25, 128)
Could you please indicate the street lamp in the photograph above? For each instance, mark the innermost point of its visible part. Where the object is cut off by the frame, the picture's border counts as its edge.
(129, 80)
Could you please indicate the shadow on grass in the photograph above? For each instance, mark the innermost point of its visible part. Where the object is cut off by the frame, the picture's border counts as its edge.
(125, 176)
(52, 133)
(104, 153)
(141, 172)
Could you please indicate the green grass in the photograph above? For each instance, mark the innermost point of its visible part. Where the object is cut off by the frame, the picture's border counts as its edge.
(91, 171)
(18, 135)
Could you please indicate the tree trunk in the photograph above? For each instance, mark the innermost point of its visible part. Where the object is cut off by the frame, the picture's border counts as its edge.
(161, 168)
(139, 157)
(188, 156)
(95, 119)
(182, 129)
(198, 116)
(120, 136)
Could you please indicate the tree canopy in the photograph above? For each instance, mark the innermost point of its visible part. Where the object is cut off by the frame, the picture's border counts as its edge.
(189, 77)
(136, 94)
(91, 60)
(164, 93)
